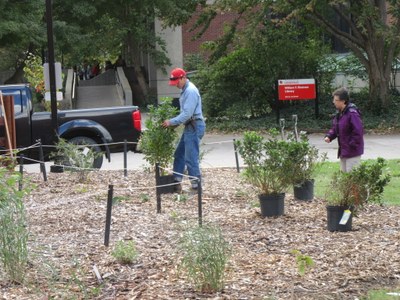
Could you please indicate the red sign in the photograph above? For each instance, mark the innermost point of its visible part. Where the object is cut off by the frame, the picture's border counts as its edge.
(296, 89)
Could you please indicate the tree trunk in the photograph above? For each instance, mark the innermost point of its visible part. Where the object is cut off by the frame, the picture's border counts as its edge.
(379, 80)
(373, 39)
(378, 91)
(18, 76)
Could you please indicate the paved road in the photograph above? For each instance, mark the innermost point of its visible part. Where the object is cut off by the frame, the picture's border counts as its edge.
(218, 151)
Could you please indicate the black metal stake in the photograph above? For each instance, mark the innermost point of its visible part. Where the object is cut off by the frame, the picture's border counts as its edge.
(296, 134)
(282, 125)
(42, 166)
(108, 215)
(157, 188)
(125, 158)
(236, 156)
(199, 201)
(21, 171)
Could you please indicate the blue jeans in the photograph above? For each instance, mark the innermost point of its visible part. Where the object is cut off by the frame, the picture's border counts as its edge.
(187, 153)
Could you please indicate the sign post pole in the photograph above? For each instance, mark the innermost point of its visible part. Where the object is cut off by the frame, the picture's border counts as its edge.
(50, 45)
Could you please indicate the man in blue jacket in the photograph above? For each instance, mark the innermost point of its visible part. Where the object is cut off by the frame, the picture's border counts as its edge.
(187, 152)
(347, 127)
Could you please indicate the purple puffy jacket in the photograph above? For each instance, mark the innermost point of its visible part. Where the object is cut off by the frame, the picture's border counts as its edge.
(348, 128)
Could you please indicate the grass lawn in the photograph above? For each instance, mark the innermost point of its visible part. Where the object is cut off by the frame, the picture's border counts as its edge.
(391, 195)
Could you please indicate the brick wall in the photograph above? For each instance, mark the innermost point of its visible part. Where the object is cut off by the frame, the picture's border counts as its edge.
(214, 31)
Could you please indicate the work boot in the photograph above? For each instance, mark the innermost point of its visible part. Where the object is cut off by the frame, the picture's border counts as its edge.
(195, 184)
(178, 187)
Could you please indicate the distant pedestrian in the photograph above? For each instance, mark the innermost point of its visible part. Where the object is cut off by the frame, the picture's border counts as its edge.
(347, 127)
(95, 70)
(187, 152)
(85, 71)
(80, 73)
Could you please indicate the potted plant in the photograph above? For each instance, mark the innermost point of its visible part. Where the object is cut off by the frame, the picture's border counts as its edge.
(349, 192)
(158, 143)
(305, 160)
(267, 166)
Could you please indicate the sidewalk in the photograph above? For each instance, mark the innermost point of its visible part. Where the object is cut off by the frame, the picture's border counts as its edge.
(219, 151)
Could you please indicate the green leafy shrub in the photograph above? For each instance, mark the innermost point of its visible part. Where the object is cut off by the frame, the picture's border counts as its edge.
(267, 161)
(14, 230)
(158, 143)
(34, 73)
(305, 159)
(363, 184)
(125, 252)
(205, 254)
(75, 158)
(259, 61)
(303, 262)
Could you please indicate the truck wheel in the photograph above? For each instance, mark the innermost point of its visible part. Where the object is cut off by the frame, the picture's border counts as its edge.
(83, 140)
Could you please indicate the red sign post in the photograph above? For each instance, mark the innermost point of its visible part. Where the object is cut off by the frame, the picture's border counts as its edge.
(296, 89)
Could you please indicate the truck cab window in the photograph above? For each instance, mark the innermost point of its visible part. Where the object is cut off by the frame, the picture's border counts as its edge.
(17, 104)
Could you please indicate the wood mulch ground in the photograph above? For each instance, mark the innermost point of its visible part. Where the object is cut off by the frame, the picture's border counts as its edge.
(67, 225)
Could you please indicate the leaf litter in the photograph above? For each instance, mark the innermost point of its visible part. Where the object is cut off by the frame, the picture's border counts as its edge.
(68, 259)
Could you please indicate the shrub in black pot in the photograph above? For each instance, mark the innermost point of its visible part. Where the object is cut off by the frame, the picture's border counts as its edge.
(267, 165)
(158, 143)
(351, 191)
(305, 159)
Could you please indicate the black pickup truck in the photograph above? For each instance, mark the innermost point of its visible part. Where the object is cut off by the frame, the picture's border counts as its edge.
(104, 128)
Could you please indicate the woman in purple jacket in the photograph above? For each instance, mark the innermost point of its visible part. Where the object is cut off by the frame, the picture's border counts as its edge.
(347, 127)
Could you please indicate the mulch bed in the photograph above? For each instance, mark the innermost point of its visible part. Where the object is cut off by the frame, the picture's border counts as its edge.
(67, 225)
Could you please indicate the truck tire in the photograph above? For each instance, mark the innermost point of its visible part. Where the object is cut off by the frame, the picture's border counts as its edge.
(83, 140)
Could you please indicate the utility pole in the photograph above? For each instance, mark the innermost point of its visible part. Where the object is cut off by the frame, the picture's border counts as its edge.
(52, 72)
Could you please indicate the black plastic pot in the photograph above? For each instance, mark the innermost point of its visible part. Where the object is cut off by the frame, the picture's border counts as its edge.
(56, 169)
(304, 191)
(272, 204)
(335, 214)
(59, 163)
(164, 180)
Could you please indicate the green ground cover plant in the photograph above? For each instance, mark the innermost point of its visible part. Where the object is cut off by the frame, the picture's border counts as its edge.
(204, 255)
(303, 262)
(382, 295)
(125, 252)
(13, 223)
(307, 121)
(75, 158)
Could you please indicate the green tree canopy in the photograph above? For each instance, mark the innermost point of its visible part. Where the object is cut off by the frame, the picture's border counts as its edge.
(21, 31)
(91, 30)
(371, 31)
(106, 29)
(242, 82)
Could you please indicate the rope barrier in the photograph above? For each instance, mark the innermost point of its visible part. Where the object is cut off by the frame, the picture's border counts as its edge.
(221, 142)
(119, 185)
(97, 170)
(126, 188)
(21, 149)
(146, 187)
(37, 145)
(68, 167)
(177, 173)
